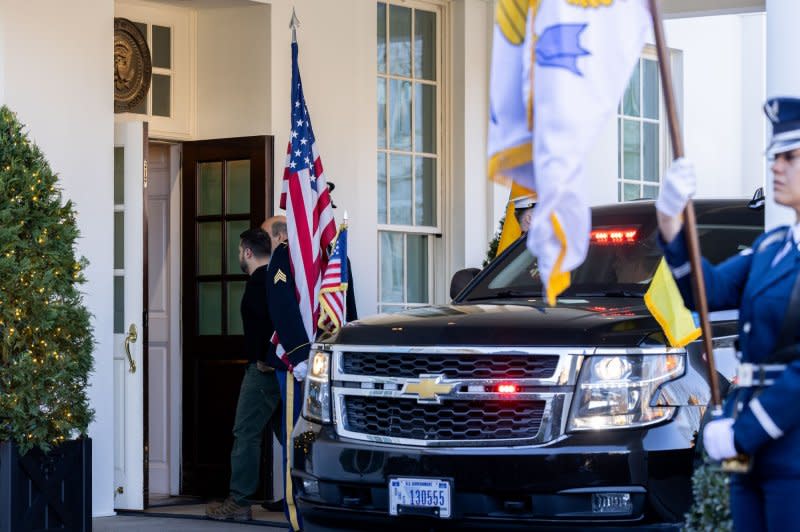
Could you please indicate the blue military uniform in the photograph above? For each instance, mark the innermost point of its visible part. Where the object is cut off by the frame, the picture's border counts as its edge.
(759, 281)
(285, 314)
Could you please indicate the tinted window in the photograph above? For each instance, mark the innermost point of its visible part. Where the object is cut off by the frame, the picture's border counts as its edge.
(611, 268)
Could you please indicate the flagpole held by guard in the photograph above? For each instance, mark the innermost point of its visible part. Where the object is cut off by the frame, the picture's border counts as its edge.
(693, 243)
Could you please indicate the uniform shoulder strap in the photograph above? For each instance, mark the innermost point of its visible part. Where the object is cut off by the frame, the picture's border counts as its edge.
(776, 235)
(786, 349)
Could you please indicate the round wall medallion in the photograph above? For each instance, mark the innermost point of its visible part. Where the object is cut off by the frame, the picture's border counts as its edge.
(132, 67)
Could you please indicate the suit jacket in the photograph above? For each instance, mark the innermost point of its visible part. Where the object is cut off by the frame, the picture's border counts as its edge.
(255, 318)
(767, 419)
(284, 310)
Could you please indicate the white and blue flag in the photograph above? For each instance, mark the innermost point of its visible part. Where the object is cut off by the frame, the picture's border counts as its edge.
(559, 69)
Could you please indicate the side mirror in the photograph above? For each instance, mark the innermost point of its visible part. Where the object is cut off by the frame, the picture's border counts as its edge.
(461, 279)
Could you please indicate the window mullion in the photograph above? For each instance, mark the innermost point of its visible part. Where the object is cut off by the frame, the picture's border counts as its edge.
(405, 269)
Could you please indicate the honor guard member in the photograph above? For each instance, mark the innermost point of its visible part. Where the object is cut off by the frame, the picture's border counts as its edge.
(523, 210)
(284, 311)
(761, 419)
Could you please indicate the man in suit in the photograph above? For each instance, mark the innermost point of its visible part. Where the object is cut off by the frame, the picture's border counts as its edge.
(275, 227)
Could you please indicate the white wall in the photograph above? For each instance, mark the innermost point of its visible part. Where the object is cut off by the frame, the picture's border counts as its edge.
(753, 84)
(57, 61)
(471, 222)
(712, 95)
(233, 72)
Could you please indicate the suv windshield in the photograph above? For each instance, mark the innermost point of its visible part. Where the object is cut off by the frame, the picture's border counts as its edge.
(622, 258)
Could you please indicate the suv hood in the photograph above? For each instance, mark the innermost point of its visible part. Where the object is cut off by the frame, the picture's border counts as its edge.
(600, 322)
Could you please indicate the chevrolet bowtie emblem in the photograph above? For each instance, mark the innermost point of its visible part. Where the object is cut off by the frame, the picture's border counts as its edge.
(280, 276)
(429, 388)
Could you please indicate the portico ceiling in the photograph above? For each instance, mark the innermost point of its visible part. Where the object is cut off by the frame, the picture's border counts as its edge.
(701, 8)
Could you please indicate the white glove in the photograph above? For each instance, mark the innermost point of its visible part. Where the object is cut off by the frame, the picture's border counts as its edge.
(718, 439)
(677, 186)
(300, 371)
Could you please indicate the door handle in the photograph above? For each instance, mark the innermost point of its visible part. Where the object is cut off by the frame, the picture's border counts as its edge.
(130, 338)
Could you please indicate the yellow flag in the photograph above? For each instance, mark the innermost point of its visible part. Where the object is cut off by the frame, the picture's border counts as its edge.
(511, 229)
(665, 303)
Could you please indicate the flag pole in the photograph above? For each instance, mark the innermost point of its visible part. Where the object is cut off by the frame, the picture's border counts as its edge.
(689, 221)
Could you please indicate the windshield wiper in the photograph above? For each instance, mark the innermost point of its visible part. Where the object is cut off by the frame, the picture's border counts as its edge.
(504, 294)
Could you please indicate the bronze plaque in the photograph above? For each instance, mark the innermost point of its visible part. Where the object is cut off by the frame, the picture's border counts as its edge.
(132, 67)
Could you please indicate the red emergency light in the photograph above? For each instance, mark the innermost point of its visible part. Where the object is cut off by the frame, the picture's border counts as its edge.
(614, 236)
(507, 388)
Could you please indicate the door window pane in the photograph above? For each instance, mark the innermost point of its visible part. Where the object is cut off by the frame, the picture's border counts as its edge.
(425, 193)
(237, 184)
(381, 37)
(234, 229)
(417, 268)
(400, 114)
(209, 248)
(425, 118)
(400, 189)
(400, 40)
(161, 47)
(632, 149)
(209, 188)
(119, 175)
(209, 308)
(119, 240)
(381, 188)
(424, 44)
(391, 267)
(235, 293)
(119, 305)
(160, 88)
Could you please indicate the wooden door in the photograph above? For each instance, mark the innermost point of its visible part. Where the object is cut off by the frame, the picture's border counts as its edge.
(227, 188)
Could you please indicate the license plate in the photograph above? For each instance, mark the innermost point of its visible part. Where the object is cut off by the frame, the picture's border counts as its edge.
(419, 496)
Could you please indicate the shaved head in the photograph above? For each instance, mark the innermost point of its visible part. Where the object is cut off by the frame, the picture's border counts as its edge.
(275, 227)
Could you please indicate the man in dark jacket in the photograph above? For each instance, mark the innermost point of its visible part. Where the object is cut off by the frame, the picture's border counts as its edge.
(259, 397)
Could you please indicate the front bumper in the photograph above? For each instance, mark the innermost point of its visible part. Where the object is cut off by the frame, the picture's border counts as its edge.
(520, 485)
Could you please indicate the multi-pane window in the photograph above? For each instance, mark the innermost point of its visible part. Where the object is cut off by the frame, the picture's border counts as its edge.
(408, 156)
(159, 97)
(639, 128)
(223, 213)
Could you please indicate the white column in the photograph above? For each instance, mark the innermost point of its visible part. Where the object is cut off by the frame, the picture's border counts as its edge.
(783, 78)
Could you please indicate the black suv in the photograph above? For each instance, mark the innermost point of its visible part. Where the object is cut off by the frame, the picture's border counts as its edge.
(499, 410)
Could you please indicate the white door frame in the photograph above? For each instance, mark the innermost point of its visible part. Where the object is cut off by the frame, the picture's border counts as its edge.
(175, 338)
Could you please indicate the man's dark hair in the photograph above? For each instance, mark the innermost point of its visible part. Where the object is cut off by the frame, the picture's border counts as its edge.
(257, 241)
(278, 228)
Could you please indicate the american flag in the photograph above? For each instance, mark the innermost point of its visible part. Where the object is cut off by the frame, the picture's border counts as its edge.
(306, 199)
(334, 286)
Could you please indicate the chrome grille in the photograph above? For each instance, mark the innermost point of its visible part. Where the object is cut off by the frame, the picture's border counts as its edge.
(452, 420)
(465, 366)
(448, 396)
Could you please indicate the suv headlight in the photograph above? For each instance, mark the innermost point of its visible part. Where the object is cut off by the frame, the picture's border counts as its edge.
(617, 391)
(317, 404)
